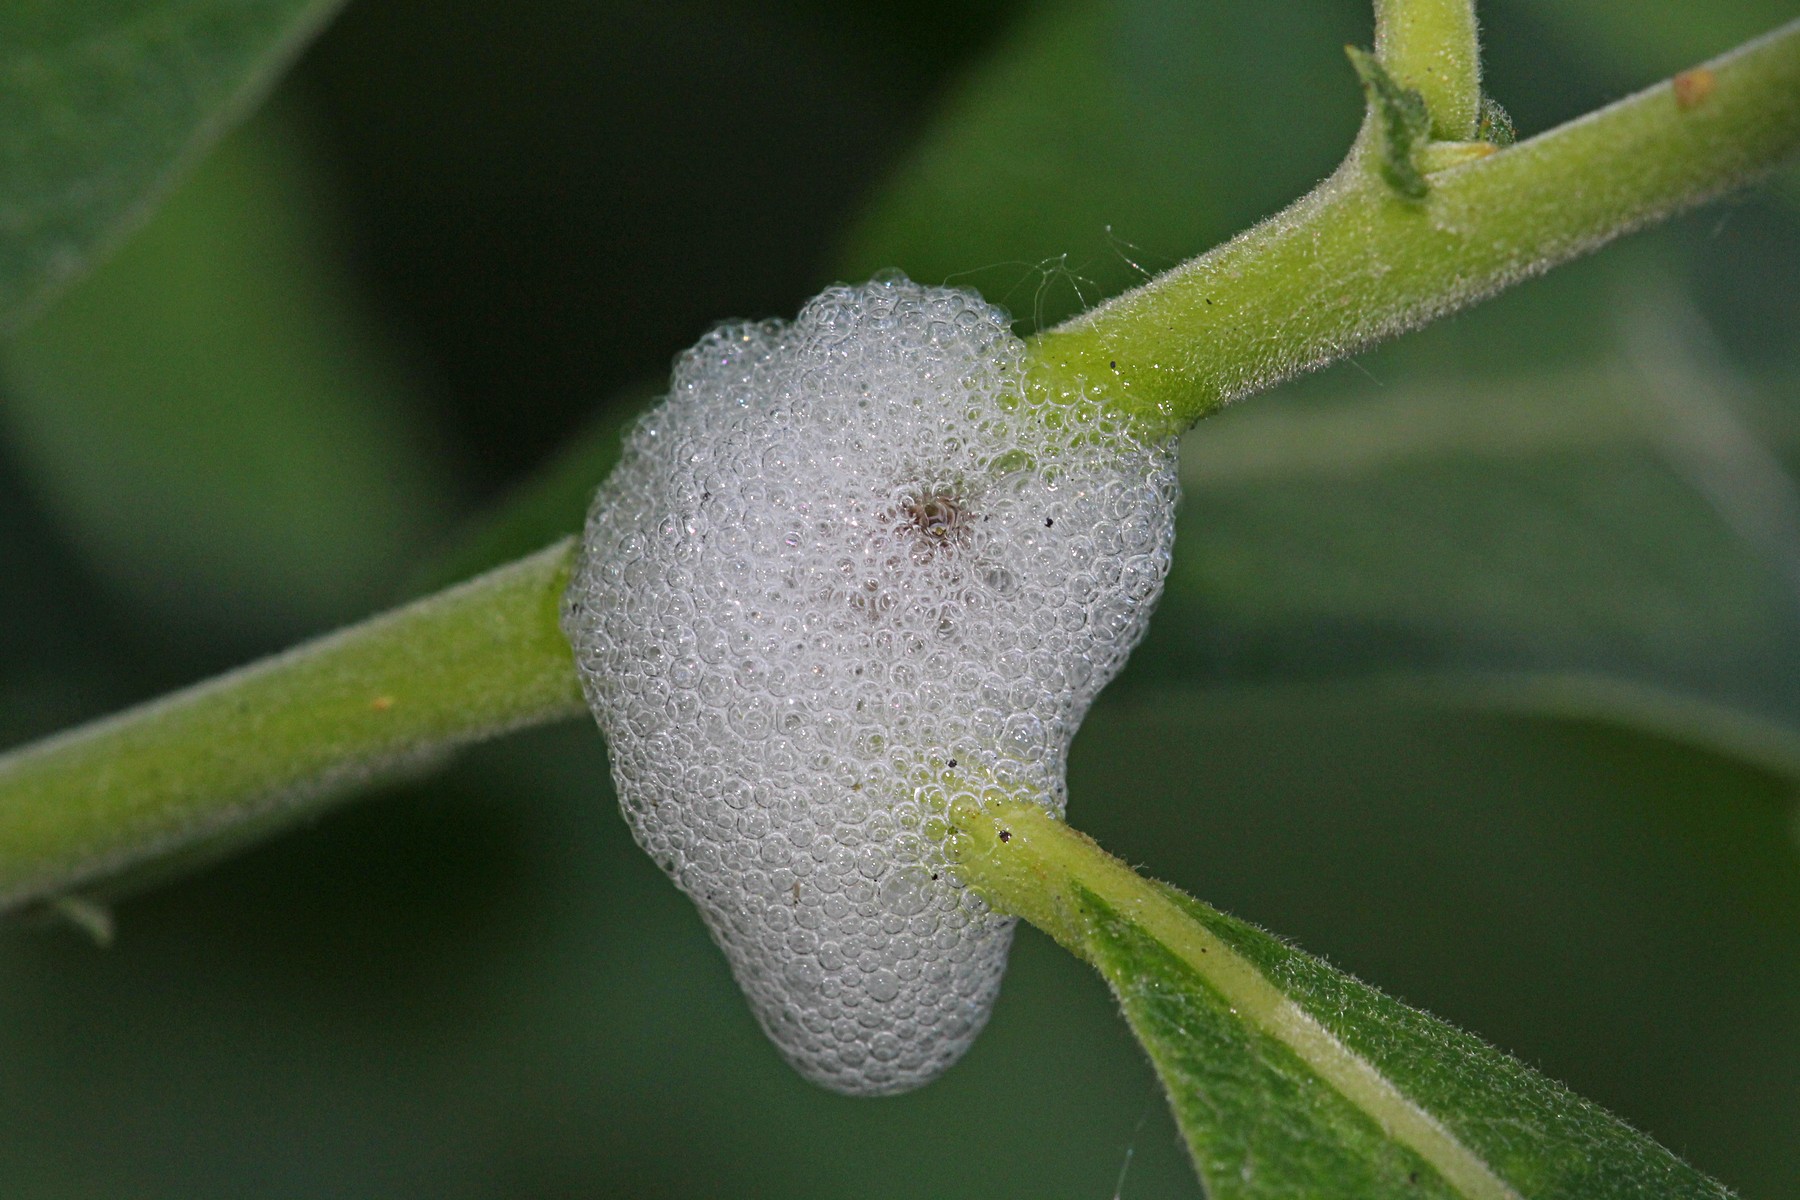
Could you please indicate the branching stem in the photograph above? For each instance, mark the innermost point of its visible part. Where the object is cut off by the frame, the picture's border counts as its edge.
(1432, 46)
(1353, 263)
(1350, 263)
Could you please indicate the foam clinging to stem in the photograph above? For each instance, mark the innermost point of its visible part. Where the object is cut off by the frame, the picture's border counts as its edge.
(844, 572)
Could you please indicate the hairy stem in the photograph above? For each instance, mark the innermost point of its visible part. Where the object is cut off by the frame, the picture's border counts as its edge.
(1350, 263)
(283, 736)
(1353, 262)
(1432, 47)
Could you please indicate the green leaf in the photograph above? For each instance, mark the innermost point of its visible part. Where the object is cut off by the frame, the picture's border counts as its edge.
(1647, 41)
(1107, 139)
(551, 503)
(101, 104)
(1289, 1077)
(217, 421)
(1401, 123)
(1623, 523)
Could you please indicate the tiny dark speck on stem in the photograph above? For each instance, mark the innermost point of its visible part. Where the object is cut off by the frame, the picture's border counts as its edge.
(1693, 87)
(1114, 365)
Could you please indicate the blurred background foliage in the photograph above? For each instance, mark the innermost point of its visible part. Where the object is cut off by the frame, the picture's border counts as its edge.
(1479, 671)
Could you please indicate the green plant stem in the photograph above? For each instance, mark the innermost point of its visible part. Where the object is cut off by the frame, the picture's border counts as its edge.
(1352, 262)
(1433, 47)
(1348, 264)
(1026, 863)
(281, 737)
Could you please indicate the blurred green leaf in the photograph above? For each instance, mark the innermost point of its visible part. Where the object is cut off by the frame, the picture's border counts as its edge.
(1627, 519)
(551, 503)
(217, 420)
(1650, 40)
(101, 104)
(1108, 139)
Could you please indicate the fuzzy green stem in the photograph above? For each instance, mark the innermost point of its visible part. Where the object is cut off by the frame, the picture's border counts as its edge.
(1432, 46)
(1348, 264)
(281, 737)
(1026, 863)
(1353, 262)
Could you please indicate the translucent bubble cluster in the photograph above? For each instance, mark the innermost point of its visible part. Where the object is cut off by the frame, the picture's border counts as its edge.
(847, 570)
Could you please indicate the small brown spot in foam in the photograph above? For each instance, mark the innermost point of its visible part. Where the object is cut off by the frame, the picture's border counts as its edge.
(1693, 87)
(939, 517)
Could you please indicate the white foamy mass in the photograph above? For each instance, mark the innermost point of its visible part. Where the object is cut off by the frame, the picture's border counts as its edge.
(845, 571)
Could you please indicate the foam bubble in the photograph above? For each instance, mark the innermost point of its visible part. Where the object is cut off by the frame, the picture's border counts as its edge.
(844, 571)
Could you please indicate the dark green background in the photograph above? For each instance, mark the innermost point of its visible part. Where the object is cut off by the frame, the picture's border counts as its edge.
(1479, 673)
